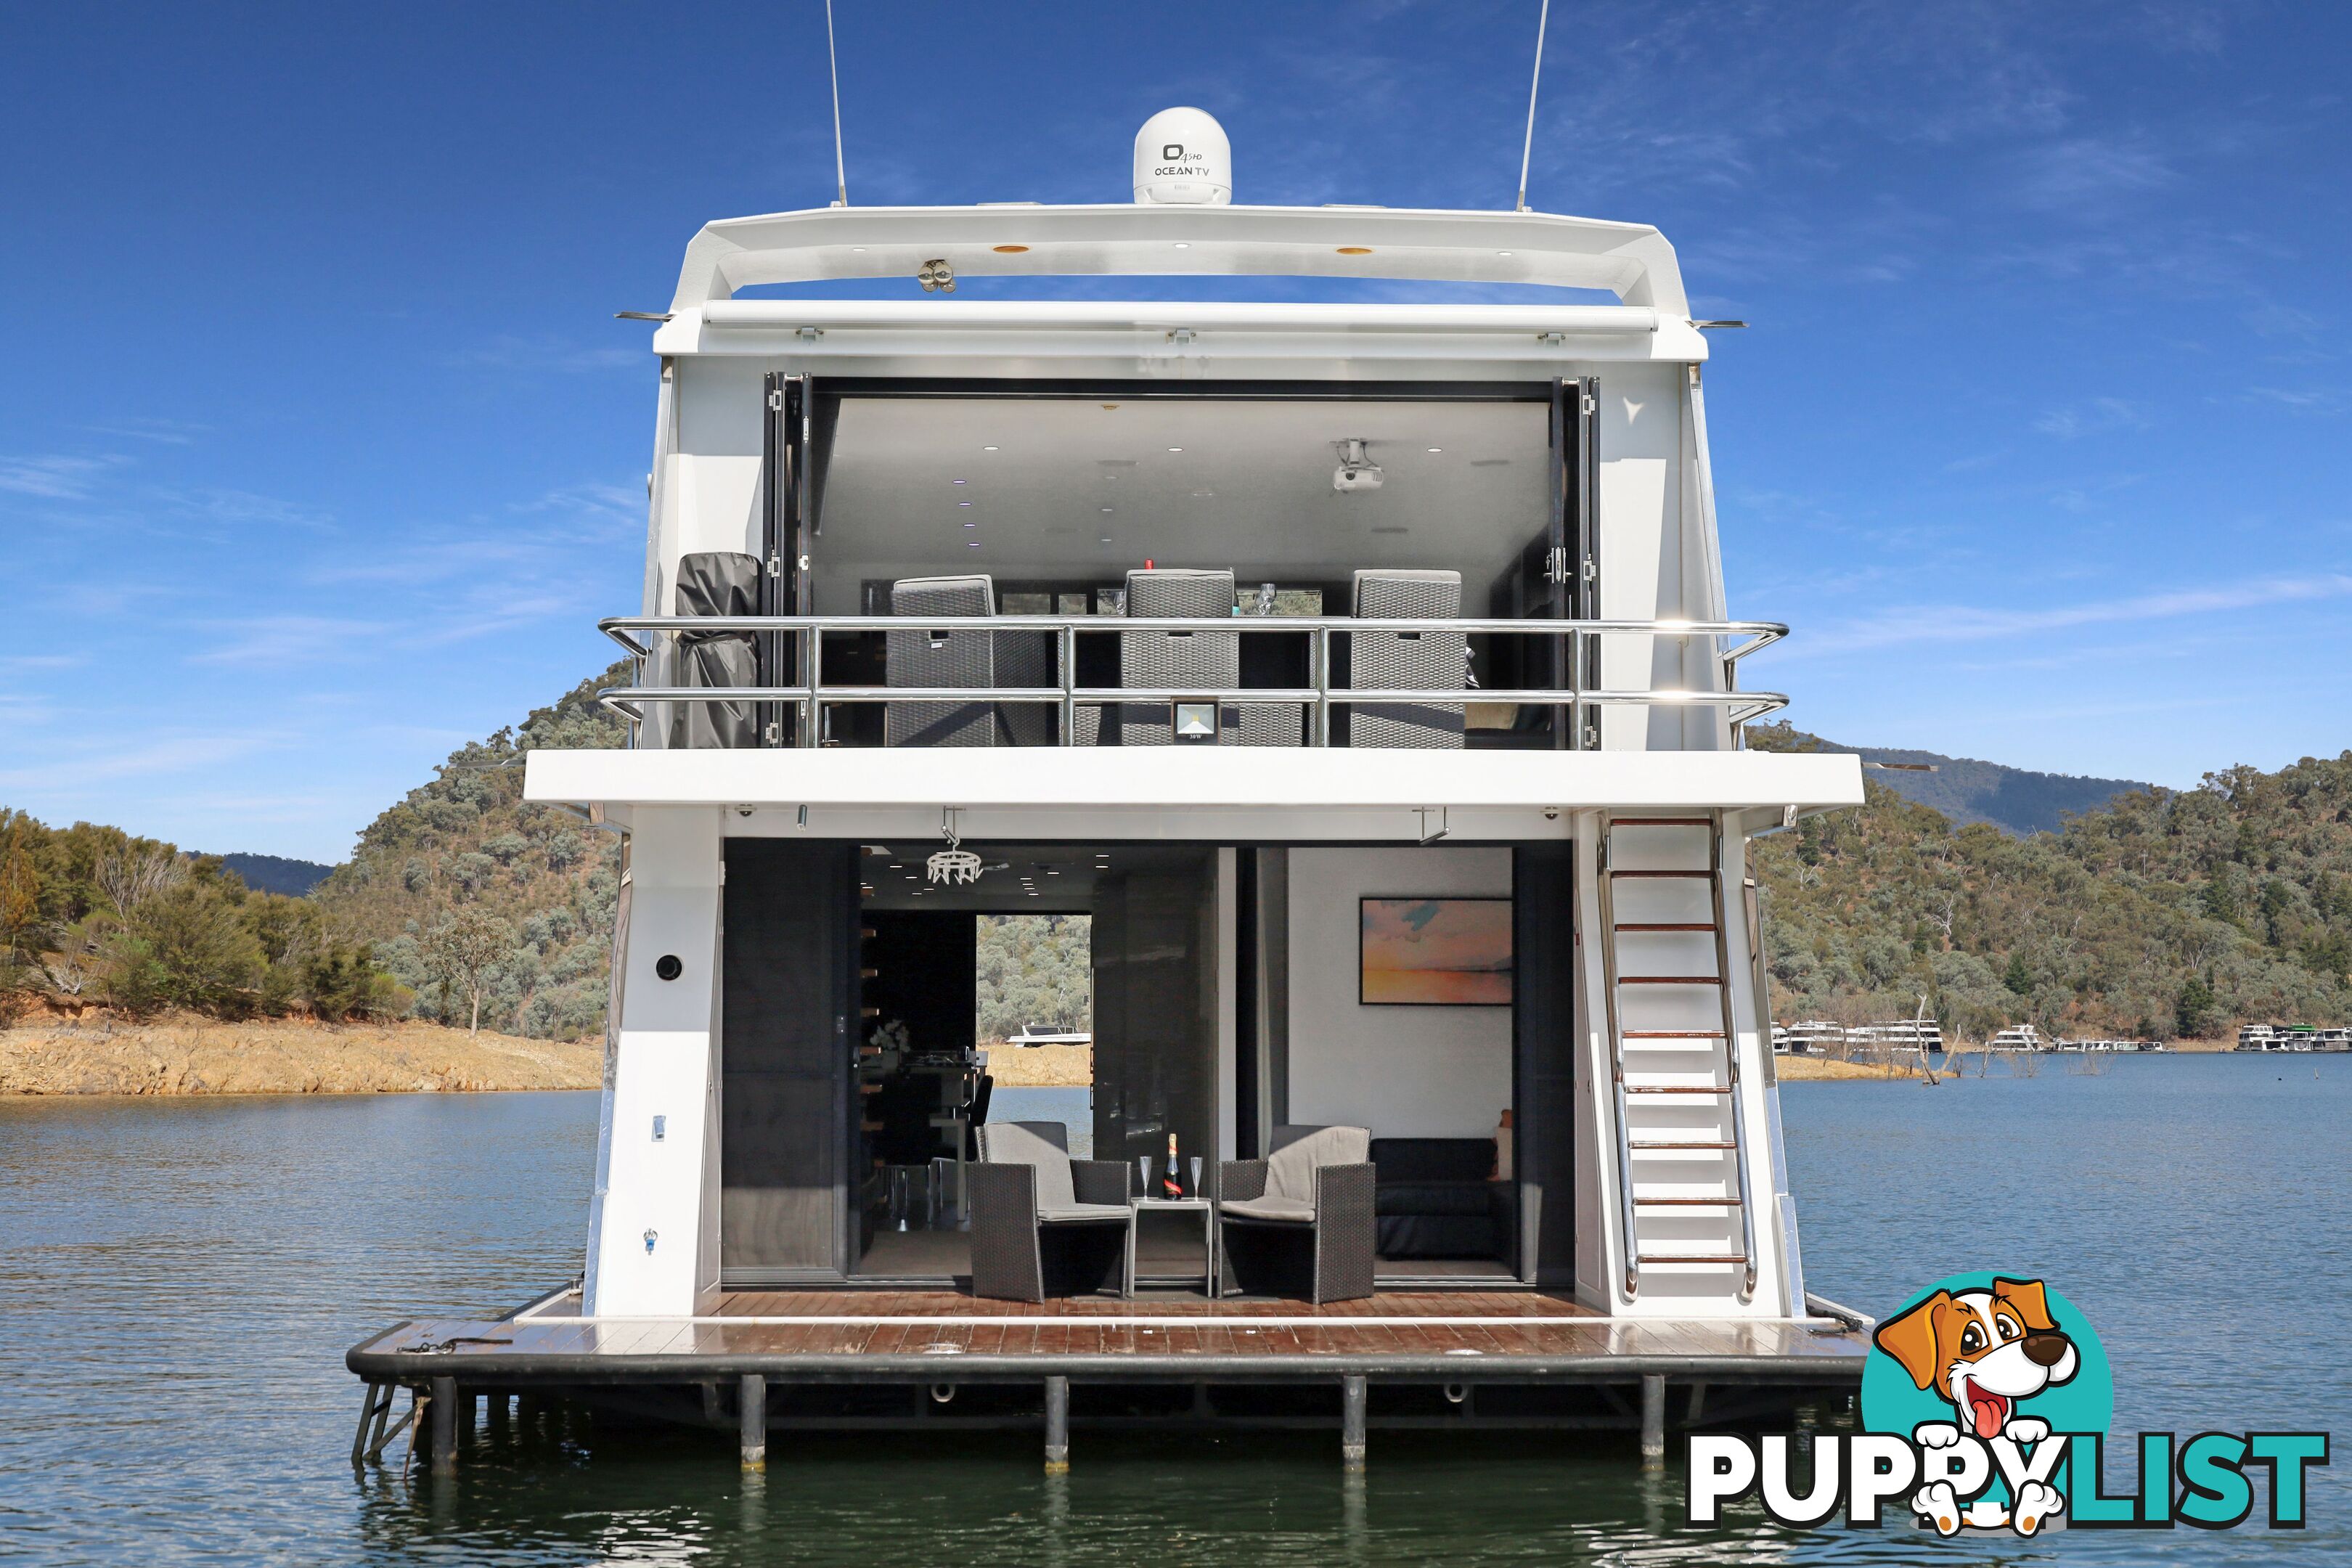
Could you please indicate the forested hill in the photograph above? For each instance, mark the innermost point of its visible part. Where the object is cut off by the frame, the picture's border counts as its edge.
(276, 873)
(2016, 800)
(2167, 912)
(536, 882)
(2161, 914)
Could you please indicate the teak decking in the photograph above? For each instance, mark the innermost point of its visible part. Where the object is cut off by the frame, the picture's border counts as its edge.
(891, 1335)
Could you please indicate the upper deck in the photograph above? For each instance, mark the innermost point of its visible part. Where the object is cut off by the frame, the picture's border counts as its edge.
(1127, 523)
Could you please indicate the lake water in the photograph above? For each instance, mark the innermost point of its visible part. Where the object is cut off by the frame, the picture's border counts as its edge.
(179, 1280)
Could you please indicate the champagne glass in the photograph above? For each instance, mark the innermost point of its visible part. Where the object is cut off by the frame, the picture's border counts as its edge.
(1195, 1190)
(1143, 1170)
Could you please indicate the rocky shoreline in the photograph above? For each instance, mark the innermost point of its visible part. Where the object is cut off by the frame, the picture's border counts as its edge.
(280, 1056)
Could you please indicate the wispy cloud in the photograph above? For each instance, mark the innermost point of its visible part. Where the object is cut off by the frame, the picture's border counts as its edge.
(55, 477)
(544, 355)
(2303, 399)
(88, 765)
(165, 432)
(2089, 171)
(217, 503)
(288, 640)
(1950, 622)
(2097, 417)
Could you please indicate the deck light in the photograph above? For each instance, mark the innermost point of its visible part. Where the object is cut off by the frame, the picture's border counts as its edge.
(1184, 244)
(1437, 449)
(972, 544)
(1105, 512)
(962, 503)
(1008, 249)
(955, 481)
(969, 523)
(1175, 448)
(984, 449)
(1354, 251)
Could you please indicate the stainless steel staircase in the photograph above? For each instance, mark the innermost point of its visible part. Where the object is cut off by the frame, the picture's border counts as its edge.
(1682, 1168)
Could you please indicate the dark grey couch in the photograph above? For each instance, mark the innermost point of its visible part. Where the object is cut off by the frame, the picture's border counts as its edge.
(1435, 1197)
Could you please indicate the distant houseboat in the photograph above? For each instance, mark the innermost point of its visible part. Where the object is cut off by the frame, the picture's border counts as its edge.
(1031, 1035)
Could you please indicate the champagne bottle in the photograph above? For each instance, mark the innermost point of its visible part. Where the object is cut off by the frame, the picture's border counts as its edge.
(1169, 1186)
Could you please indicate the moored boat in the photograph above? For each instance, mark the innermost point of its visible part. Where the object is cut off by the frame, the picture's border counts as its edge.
(1363, 670)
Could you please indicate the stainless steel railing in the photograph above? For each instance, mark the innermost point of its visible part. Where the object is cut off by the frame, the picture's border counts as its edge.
(810, 694)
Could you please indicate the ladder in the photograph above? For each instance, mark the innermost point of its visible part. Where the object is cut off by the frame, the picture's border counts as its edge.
(1673, 1059)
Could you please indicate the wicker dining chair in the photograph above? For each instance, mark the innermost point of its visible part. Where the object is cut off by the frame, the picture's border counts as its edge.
(1040, 1220)
(1309, 1202)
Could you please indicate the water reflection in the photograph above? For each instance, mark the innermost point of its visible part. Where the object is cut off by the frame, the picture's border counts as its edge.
(182, 1278)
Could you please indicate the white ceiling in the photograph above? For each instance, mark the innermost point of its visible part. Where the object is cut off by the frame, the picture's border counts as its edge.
(1250, 489)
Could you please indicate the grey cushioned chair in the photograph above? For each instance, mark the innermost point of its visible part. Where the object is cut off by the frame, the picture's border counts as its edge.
(1041, 1219)
(939, 655)
(1310, 1202)
(716, 583)
(942, 656)
(1400, 661)
(1209, 661)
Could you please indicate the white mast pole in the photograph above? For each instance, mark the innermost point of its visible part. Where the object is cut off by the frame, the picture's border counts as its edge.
(833, 65)
(1526, 148)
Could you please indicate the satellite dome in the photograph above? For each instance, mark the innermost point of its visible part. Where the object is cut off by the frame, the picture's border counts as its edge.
(1182, 159)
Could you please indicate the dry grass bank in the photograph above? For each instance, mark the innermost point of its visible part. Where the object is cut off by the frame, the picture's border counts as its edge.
(279, 1056)
(1041, 1067)
(1823, 1069)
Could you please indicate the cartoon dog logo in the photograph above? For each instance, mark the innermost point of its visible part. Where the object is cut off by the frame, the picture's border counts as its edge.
(1984, 1351)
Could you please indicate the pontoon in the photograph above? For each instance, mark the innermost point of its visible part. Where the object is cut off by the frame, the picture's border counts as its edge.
(1363, 670)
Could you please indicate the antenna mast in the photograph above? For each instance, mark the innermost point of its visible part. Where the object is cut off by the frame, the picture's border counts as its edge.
(841, 175)
(1526, 148)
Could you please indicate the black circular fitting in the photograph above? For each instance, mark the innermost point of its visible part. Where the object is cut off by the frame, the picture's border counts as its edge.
(669, 967)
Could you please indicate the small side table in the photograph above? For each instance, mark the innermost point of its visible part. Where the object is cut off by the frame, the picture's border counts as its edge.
(1139, 1206)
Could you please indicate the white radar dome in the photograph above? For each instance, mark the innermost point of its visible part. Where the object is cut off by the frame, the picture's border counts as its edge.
(1182, 159)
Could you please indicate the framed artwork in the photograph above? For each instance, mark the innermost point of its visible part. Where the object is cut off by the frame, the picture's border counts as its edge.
(1434, 952)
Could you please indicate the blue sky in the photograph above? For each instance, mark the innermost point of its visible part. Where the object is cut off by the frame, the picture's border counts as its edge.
(320, 451)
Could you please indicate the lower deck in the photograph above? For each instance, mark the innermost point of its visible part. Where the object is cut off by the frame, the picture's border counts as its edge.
(1169, 1332)
(941, 1339)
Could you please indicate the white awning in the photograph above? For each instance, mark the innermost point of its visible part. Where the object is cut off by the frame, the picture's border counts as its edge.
(1208, 794)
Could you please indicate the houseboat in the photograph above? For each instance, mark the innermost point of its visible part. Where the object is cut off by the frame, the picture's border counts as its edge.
(1809, 1038)
(1920, 1035)
(1364, 670)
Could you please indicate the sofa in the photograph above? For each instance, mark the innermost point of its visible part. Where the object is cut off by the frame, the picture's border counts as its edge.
(1436, 1197)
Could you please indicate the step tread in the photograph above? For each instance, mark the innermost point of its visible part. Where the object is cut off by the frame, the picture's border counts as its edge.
(1672, 1088)
(1661, 822)
(1693, 1143)
(1690, 1257)
(1660, 925)
(1686, 1203)
(1671, 1033)
(1670, 980)
(1701, 874)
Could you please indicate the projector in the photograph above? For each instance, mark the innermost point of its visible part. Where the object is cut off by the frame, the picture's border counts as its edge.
(1356, 471)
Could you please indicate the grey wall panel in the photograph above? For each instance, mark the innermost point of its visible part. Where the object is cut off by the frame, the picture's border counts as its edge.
(1154, 953)
(1543, 1060)
(791, 912)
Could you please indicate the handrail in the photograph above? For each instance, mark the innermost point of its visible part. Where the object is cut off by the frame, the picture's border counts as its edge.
(1626, 1219)
(1765, 633)
(1731, 1055)
(809, 631)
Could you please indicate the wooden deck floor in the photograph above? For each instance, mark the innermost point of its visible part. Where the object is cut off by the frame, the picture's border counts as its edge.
(883, 1335)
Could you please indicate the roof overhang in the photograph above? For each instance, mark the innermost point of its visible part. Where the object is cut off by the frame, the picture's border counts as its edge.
(1507, 339)
(1209, 795)
(1633, 261)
